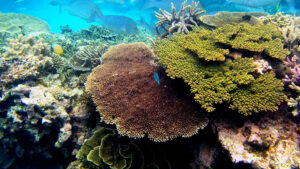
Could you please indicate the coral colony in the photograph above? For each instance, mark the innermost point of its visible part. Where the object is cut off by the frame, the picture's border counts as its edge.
(210, 92)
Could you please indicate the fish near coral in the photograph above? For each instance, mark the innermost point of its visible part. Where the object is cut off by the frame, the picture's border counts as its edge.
(86, 10)
(156, 77)
(57, 49)
(126, 94)
(90, 12)
(117, 23)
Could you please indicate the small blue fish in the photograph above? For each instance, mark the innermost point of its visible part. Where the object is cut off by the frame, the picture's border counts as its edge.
(156, 77)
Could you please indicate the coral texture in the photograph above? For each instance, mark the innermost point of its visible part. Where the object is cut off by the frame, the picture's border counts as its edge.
(270, 142)
(24, 58)
(218, 82)
(288, 25)
(105, 148)
(181, 21)
(127, 94)
(87, 57)
(222, 18)
(16, 24)
(257, 38)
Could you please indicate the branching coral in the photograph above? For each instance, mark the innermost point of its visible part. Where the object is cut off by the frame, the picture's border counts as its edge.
(218, 82)
(288, 25)
(26, 58)
(270, 142)
(126, 94)
(88, 57)
(105, 148)
(182, 21)
(295, 70)
(257, 38)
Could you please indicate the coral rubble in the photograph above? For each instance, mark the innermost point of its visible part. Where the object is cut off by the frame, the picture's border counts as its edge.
(126, 94)
(270, 142)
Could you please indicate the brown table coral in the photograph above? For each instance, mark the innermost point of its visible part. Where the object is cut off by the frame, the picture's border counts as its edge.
(127, 94)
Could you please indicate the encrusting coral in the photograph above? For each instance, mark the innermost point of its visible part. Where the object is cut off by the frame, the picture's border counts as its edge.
(221, 82)
(270, 142)
(24, 57)
(126, 93)
(181, 21)
(106, 148)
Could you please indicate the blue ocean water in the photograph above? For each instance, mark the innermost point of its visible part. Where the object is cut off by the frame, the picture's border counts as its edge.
(134, 9)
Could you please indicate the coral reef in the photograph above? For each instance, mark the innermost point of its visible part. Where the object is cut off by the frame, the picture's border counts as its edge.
(288, 25)
(65, 29)
(181, 21)
(24, 58)
(257, 38)
(270, 142)
(99, 34)
(126, 94)
(222, 18)
(293, 81)
(294, 67)
(52, 103)
(106, 148)
(13, 24)
(293, 100)
(87, 57)
(218, 82)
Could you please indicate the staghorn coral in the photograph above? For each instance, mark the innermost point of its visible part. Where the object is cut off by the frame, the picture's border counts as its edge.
(126, 94)
(182, 21)
(87, 57)
(218, 82)
(270, 142)
(24, 57)
(294, 81)
(294, 69)
(106, 148)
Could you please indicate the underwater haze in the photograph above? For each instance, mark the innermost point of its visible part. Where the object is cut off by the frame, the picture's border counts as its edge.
(63, 12)
(149, 84)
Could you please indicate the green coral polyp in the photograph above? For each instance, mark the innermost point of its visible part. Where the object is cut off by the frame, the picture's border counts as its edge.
(219, 82)
(257, 38)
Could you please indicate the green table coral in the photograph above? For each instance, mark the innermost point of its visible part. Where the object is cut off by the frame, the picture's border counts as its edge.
(257, 38)
(105, 150)
(212, 83)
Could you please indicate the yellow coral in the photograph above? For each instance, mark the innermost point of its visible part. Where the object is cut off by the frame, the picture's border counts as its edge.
(218, 82)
